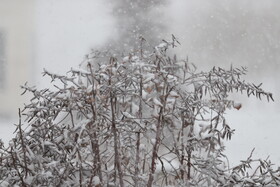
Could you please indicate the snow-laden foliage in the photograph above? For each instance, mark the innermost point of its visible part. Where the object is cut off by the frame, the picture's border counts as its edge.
(145, 119)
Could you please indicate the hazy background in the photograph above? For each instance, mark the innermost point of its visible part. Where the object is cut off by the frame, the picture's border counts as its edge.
(212, 33)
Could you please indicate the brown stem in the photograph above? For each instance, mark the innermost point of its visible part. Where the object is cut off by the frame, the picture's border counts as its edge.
(95, 143)
(138, 133)
(14, 164)
(115, 133)
(114, 129)
(155, 150)
(183, 150)
(95, 146)
(137, 159)
(158, 136)
(144, 163)
(189, 164)
(80, 169)
(22, 143)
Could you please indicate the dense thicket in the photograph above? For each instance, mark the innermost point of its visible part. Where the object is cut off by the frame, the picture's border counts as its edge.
(145, 119)
(136, 19)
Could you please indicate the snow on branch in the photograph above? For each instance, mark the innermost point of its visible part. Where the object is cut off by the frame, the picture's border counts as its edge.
(147, 119)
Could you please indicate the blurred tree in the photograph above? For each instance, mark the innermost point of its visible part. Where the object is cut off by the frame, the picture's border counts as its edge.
(137, 19)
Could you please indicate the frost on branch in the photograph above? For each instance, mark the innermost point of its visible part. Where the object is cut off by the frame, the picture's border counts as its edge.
(146, 119)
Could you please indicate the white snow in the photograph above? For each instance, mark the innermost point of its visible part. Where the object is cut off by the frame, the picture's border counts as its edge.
(173, 94)
(142, 147)
(128, 115)
(95, 180)
(168, 162)
(157, 102)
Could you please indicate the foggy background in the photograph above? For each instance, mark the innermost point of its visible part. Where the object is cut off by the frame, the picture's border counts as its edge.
(211, 33)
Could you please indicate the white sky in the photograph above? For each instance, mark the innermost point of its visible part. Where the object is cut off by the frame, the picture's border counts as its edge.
(67, 30)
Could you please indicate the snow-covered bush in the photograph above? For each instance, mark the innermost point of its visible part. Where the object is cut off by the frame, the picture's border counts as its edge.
(146, 119)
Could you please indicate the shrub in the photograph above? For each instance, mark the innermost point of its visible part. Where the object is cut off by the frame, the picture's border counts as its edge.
(146, 119)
